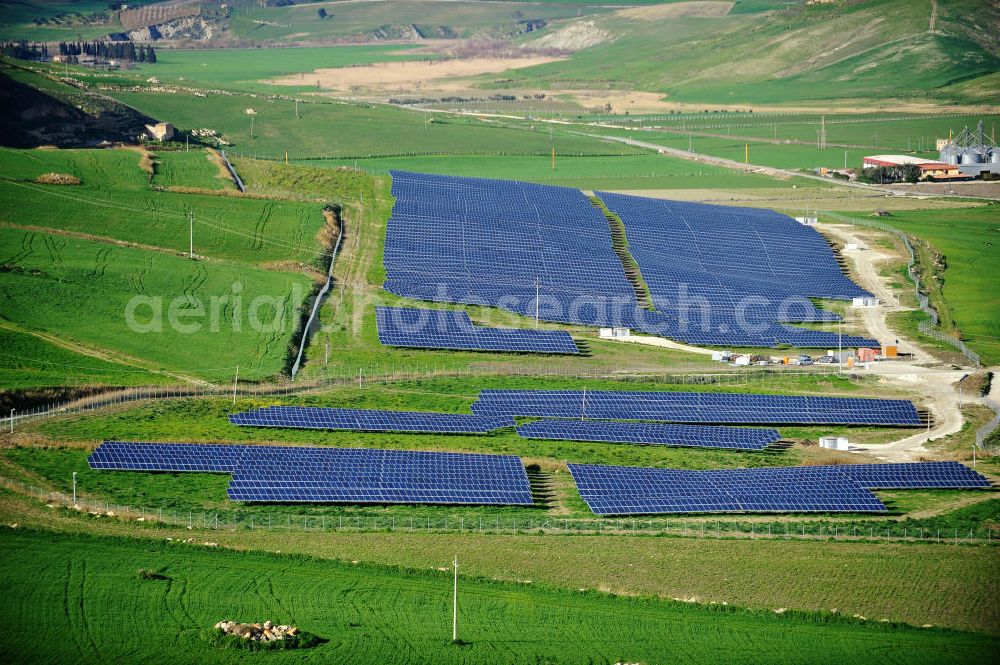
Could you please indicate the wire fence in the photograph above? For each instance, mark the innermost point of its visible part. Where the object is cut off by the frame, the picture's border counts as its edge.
(387, 374)
(984, 432)
(287, 522)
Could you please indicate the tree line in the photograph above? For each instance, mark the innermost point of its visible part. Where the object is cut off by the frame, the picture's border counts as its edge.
(127, 51)
(109, 50)
(22, 50)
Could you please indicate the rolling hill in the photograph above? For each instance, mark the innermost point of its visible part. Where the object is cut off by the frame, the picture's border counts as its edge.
(815, 52)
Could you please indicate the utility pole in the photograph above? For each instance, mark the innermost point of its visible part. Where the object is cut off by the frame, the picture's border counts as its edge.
(191, 234)
(454, 605)
(74, 487)
(251, 127)
(236, 382)
(297, 109)
(326, 355)
(12, 420)
(583, 411)
(840, 345)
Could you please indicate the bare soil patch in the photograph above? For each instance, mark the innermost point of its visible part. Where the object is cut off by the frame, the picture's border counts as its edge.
(404, 76)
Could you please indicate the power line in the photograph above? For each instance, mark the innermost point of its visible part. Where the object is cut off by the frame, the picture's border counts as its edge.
(220, 226)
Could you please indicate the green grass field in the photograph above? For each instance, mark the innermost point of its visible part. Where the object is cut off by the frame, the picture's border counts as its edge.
(27, 361)
(457, 20)
(247, 69)
(969, 240)
(186, 313)
(370, 613)
(790, 141)
(332, 129)
(180, 168)
(647, 171)
(115, 201)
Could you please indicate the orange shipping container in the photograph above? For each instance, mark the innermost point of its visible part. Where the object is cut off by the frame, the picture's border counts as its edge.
(889, 351)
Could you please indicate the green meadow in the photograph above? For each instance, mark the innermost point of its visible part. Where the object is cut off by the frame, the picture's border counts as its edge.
(369, 613)
(969, 240)
(647, 171)
(192, 317)
(326, 128)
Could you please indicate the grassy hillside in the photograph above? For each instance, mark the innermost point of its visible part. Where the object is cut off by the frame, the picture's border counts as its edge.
(43, 20)
(301, 23)
(84, 291)
(115, 200)
(246, 68)
(37, 110)
(829, 52)
(30, 362)
(329, 129)
(371, 613)
(647, 171)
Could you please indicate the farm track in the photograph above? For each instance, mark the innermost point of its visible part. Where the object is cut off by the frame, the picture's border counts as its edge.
(934, 381)
(100, 354)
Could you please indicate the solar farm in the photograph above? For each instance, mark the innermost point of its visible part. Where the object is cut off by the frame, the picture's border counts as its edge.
(635, 332)
(294, 474)
(547, 252)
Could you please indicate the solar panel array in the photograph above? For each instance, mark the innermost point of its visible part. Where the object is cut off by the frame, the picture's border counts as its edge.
(299, 474)
(441, 329)
(696, 436)
(204, 458)
(909, 475)
(617, 490)
(527, 247)
(380, 476)
(736, 272)
(695, 407)
(367, 420)
(496, 242)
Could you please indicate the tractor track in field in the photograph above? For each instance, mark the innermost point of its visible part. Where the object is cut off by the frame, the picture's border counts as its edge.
(33, 228)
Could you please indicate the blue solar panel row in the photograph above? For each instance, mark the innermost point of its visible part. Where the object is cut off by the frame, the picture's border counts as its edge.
(524, 247)
(380, 476)
(210, 458)
(695, 436)
(616, 490)
(366, 420)
(441, 329)
(298, 474)
(694, 407)
(910, 475)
